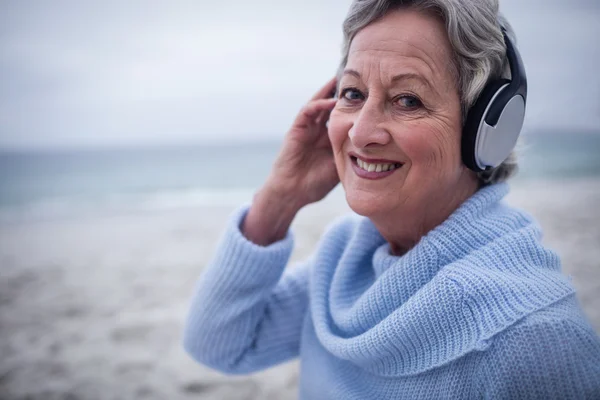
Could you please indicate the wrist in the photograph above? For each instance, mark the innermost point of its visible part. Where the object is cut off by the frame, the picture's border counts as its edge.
(283, 198)
(270, 216)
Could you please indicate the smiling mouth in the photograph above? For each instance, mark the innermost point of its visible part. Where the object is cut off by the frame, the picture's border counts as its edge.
(374, 167)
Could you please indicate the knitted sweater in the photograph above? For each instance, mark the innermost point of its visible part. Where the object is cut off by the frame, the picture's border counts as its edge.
(477, 309)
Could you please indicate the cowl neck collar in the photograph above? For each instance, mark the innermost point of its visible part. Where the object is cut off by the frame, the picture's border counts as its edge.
(471, 277)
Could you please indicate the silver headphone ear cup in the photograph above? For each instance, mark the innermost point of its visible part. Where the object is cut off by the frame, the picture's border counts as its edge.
(494, 122)
(473, 123)
(495, 142)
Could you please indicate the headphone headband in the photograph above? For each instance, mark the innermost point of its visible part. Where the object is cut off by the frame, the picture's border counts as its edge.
(518, 81)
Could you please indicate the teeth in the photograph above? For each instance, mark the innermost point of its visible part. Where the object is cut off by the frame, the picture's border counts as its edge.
(375, 167)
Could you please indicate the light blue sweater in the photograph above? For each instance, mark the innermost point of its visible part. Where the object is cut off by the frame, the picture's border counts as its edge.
(477, 309)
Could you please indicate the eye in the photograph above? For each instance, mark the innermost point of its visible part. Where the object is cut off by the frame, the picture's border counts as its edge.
(352, 94)
(409, 102)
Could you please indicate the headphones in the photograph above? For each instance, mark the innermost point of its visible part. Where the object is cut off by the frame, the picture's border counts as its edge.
(494, 122)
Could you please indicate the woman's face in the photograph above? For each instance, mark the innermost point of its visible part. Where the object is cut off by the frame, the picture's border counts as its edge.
(398, 109)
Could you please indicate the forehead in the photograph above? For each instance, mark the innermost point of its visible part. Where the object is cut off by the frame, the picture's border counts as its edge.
(404, 38)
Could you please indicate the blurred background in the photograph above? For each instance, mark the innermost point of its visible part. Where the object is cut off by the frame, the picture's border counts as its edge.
(130, 130)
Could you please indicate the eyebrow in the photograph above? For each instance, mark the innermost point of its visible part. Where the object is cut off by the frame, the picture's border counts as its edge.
(399, 77)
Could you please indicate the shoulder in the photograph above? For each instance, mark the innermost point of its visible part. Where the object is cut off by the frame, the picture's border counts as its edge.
(561, 324)
(552, 353)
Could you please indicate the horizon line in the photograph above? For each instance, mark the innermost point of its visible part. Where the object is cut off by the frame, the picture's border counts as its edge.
(262, 140)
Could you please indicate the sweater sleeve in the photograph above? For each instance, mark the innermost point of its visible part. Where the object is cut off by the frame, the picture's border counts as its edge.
(247, 310)
(543, 360)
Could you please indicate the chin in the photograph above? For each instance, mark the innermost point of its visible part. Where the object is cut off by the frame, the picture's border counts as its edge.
(366, 204)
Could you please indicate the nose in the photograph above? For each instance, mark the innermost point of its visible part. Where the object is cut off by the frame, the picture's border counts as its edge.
(367, 129)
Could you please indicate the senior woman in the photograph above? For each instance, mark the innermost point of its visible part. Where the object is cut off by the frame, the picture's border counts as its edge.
(436, 289)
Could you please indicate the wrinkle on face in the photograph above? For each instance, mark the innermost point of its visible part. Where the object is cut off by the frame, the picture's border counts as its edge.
(427, 45)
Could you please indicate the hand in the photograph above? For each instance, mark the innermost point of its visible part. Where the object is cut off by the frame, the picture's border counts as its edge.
(304, 170)
(303, 173)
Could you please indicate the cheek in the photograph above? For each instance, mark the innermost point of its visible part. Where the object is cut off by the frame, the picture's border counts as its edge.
(338, 128)
(428, 146)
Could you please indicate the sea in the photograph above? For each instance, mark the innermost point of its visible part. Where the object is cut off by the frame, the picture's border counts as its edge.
(56, 184)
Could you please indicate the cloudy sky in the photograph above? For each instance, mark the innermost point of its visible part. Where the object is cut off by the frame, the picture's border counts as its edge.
(107, 73)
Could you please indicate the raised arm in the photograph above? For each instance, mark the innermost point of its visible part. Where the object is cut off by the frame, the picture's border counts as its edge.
(247, 313)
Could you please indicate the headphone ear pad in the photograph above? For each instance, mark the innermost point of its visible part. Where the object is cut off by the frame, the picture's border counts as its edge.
(474, 117)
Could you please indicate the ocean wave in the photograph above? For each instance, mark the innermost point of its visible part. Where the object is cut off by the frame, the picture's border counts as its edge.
(82, 206)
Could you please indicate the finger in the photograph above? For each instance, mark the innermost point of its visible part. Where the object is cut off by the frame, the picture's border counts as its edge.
(326, 91)
(311, 111)
(324, 117)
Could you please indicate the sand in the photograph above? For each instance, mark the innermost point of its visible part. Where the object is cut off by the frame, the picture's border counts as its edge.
(93, 308)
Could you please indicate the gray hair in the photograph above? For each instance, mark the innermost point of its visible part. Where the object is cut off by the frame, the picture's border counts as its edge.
(474, 30)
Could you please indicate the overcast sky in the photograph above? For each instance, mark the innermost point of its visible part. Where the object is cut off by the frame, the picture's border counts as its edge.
(83, 73)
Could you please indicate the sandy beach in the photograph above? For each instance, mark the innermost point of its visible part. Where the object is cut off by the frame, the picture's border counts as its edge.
(93, 308)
